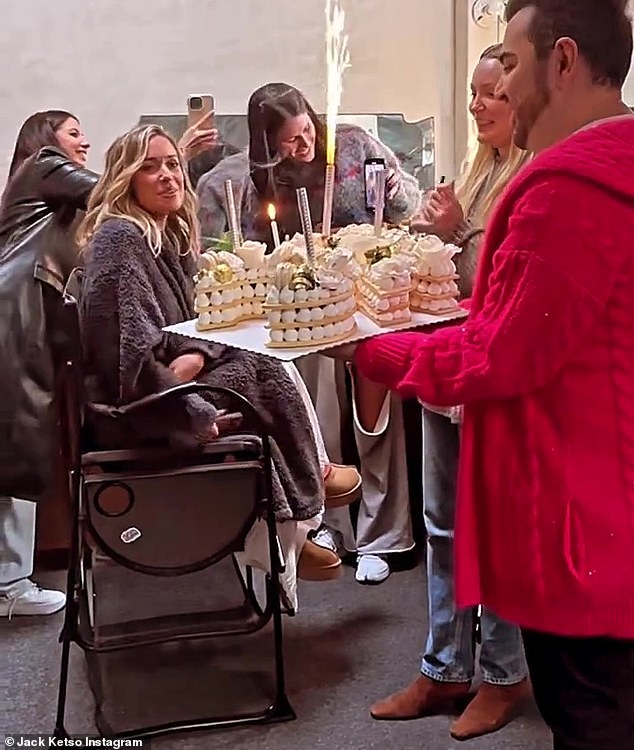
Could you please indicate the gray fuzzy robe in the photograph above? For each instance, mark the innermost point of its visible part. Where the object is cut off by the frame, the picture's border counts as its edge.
(128, 297)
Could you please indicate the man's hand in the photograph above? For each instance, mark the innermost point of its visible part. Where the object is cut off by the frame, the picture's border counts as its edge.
(187, 367)
(197, 140)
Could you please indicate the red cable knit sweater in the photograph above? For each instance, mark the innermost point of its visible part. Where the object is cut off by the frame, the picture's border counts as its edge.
(545, 368)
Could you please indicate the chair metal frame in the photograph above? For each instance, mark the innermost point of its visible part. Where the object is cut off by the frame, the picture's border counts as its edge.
(248, 618)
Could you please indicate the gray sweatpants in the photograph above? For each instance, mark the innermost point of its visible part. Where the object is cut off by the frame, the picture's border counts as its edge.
(17, 544)
(384, 523)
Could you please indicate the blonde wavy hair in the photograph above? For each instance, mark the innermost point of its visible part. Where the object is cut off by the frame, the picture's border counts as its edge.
(113, 197)
(478, 166)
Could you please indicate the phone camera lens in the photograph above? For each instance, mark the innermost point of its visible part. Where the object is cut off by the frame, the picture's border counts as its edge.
(196, 102)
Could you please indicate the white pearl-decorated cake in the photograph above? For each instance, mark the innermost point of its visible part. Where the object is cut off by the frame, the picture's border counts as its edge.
(231, 287)
(312, 306)
(361, 239)
(383, 291)
(434, 289)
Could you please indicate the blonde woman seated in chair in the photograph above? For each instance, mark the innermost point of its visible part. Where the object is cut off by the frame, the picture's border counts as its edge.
(139, 238)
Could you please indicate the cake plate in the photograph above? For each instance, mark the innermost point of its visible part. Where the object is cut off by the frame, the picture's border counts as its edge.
(252, 335)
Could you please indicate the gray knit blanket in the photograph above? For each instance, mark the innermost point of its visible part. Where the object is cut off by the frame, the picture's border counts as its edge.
(129, 295)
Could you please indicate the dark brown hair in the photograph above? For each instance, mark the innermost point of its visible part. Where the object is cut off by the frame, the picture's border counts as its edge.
(269, 107)
(37, 131)
(602, 30)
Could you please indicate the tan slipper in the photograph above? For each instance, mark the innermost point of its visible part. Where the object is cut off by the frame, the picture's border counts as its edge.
(318, 563)
(342, 485)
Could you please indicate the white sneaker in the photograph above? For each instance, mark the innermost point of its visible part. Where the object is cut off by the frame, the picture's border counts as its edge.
(371, 569)
(328, 539)
(33, 601)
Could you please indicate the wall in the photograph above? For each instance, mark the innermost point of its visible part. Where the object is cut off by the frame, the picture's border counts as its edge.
(111, 60)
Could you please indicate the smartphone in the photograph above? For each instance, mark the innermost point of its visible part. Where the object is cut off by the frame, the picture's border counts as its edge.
(200, 108)
(372, 168)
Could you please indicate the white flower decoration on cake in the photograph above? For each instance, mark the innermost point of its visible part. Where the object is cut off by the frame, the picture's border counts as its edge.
(251, 253)
(287, 252)
(390, 273)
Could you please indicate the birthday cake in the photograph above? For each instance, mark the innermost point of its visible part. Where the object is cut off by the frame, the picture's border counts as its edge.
(383, 289)
(312, 305)
(231, 287)
(434, 287)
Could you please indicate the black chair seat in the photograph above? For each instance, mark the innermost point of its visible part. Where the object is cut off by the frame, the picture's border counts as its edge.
(163, 455)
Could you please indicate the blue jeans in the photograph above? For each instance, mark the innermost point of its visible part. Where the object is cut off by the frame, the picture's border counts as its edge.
(450, 650)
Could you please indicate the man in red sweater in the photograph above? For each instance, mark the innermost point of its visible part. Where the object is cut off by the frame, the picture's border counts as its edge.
(545, 368)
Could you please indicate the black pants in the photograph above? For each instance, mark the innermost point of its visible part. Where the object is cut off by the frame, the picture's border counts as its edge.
(584, 688)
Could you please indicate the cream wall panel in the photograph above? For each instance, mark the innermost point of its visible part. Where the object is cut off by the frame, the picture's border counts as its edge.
(111, 60)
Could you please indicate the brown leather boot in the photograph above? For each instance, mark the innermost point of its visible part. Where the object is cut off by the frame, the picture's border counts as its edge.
(318, 563)
(425, 697)
(493, 707)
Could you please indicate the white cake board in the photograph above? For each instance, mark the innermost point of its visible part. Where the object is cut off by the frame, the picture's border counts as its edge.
(252, 336)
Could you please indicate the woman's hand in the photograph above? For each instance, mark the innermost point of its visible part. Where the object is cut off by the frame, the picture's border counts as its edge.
(442, 213)
(223, 424)
(208, 434)
(197, 140)
(392, 184)
(187, 367)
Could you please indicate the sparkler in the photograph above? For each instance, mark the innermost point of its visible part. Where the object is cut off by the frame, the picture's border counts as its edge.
(337, 61)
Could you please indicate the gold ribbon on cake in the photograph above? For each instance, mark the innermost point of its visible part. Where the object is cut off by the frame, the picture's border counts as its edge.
(223, 273)
(303, 278)
(377, 254)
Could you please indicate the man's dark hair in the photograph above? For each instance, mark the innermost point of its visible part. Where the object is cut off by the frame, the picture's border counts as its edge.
(602, 30)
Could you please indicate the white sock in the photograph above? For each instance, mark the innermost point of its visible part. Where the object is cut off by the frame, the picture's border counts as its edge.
(371, 569)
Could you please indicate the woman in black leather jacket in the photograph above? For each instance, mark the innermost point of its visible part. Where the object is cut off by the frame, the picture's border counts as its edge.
(47, 190)
(46, 194)
(45, 197)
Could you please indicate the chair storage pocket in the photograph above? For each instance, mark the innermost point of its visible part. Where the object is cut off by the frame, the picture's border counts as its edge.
(173, 521)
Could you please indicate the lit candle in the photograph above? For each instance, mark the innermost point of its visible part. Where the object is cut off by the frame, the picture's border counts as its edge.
(274, 230)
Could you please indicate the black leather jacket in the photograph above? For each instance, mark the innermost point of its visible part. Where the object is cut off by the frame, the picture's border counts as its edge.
(38, 218)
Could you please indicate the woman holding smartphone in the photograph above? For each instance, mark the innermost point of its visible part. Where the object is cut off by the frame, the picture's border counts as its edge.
(287, 150)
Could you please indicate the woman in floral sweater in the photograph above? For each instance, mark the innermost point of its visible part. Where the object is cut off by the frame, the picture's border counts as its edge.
(287, 150)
